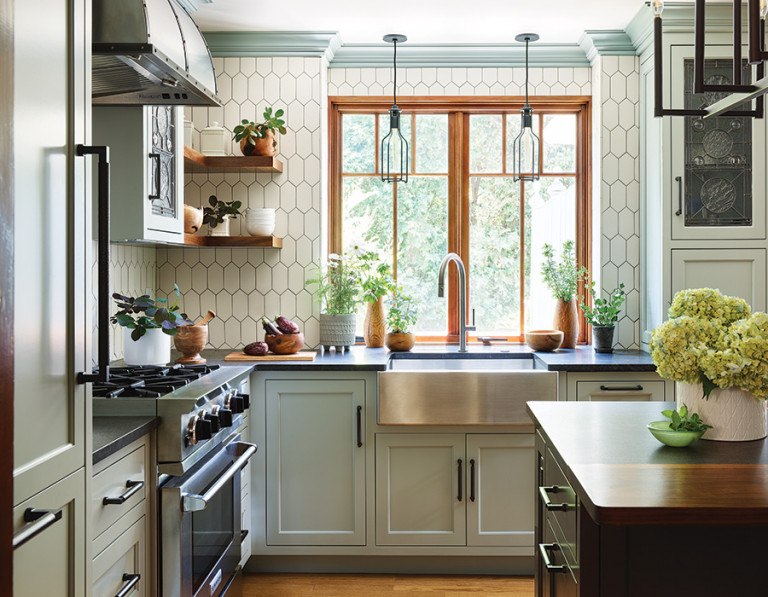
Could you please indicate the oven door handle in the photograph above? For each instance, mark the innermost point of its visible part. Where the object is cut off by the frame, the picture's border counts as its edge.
(193, 502)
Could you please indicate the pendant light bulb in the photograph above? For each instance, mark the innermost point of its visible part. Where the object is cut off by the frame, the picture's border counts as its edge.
(394, 147)
(525, 148)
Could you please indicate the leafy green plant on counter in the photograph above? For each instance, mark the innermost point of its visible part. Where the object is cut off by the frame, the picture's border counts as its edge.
(603, 311)
(401, 313)
(375, 276)
(220, 210)
(682, 420)
(562, 277)
(143, 313)
(247, 129)
(338, 287)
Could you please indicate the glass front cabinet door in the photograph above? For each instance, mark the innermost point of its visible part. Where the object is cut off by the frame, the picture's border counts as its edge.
(718, 183)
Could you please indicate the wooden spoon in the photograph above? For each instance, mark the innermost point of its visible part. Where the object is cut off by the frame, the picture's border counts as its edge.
(208, 316)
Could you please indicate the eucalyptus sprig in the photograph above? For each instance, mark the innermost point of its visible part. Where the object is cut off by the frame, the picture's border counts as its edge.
(603, 311)
(143, 313)
(681, 420)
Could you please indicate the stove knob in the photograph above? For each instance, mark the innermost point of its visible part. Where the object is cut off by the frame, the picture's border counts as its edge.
(215, 422)
(246, 400)
(237, 404)
(203, 430)
(225, 417)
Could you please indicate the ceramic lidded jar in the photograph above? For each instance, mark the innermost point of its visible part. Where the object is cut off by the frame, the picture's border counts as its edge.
(214, 140)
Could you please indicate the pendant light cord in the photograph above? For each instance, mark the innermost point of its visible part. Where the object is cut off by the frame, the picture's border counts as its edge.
(394, 90)
(526, 71)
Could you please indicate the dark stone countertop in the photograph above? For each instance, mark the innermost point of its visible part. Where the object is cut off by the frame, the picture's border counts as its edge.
(624, 476)
(110, 434)
(584, 359)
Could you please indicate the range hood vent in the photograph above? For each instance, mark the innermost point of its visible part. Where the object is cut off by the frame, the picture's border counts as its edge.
(150, 52)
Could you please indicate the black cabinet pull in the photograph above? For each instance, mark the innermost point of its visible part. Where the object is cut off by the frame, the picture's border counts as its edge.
(156, 177)
(636, 388)
(459, 475)
(544, 549)
(551, 506)
(130, 580)
(243, 534)
(359, 426)
(472, 480)
(132, 488)
(679, 181)
(37, 521)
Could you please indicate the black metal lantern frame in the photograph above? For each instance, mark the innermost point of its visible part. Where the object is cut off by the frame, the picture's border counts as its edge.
(700, 84)
(529, 170)
(394, 147)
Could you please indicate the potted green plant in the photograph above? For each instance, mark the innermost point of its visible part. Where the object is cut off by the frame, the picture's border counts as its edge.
(338, 289)
(401, 316)
(260, 138)
(562, 278)
(152, 323)
(376, 282)
(715, 349)
(681, 428)
(602, 315)
(218, 213)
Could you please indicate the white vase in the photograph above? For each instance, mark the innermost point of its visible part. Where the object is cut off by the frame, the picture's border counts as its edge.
(153, 348)
(222, 229)
(735, 415)
(260, 221)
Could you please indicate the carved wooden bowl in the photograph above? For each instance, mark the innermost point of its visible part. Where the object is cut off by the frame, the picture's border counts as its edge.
(544, 340)
(285, 343)
(189, 341)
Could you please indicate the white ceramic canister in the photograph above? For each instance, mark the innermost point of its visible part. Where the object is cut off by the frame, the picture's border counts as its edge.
(214, 140)
(189, 127)
(153, 348)
(260, 221)
(222, 228)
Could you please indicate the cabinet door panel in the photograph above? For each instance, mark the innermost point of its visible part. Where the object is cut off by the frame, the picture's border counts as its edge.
(738, 272)
(502, 512)
(127, 555)
(315, 469)
(52, 563)
(417, 489)
(50, 244)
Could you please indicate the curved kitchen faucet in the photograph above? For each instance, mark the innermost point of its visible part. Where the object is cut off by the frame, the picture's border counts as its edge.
(463, 327)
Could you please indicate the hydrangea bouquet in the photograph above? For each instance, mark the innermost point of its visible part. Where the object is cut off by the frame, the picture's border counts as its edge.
(714, 340)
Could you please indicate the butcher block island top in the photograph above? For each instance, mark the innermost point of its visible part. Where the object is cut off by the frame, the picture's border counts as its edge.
(625, 477)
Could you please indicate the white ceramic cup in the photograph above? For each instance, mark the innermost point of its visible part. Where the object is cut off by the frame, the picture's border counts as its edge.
(260, 221)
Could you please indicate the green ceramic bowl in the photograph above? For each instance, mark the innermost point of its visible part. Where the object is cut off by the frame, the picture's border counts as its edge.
(676, 439)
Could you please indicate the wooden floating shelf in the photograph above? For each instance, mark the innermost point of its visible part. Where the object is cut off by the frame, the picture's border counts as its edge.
(264, 242)
(194, 161)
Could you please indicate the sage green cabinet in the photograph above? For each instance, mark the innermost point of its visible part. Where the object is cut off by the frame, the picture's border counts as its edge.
(315, 462)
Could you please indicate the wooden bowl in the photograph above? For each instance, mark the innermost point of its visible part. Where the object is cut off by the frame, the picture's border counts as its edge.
(398, 342)
(544, 340)
(189, 341)
(285, 344)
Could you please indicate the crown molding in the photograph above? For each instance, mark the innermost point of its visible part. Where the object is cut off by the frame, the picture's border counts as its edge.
(609, 42)
(322, 44)
(192, 5)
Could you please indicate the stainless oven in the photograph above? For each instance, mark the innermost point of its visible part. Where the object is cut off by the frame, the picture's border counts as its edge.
(200, 524)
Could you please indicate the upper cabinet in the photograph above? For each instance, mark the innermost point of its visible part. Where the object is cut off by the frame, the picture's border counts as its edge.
(147, 169)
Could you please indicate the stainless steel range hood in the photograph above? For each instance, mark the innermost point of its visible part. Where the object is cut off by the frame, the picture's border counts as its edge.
(150, 52)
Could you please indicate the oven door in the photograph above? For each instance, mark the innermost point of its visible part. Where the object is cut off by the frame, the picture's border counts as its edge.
(200, 524)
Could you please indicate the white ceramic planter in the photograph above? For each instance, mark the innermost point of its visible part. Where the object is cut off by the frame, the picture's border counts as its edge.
(260, 221)
(153, 348)
(337, 330)
(222, 229)
(735, 415)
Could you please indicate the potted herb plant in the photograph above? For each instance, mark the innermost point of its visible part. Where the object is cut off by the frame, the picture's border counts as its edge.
(376, 282)
(562, 278)
(338, 289)
(260, 138)
(715, 349)
(602, 315)
(401, 316)
(218, 213)
(681, 428)
(152, 323)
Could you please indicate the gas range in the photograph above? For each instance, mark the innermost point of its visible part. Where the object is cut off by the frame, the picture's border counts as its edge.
(199, 406)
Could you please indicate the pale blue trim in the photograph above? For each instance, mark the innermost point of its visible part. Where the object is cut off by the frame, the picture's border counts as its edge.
(273, 43)
(613, 42)
(192, 5)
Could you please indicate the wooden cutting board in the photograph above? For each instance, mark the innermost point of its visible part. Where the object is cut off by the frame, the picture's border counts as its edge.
(239, 355)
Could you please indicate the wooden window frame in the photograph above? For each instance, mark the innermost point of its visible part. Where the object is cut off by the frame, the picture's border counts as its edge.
(458, 109)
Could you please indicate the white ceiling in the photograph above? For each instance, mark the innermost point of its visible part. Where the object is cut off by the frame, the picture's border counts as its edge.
(423, 21)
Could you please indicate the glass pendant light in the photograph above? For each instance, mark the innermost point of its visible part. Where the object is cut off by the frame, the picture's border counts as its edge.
(394, 147)
(525, 149)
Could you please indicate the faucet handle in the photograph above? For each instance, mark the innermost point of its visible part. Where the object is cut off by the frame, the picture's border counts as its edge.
(472, 327)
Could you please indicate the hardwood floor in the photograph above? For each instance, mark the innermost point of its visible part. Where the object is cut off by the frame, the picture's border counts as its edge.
(381, 585)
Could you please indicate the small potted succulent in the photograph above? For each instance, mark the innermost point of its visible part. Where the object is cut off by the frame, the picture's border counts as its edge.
(218, 213)
(681, 428)
(338, 289)
(376, 282)
(562, 278)
(152, 323)
(260, 138)
(401, 316)
(603, 315)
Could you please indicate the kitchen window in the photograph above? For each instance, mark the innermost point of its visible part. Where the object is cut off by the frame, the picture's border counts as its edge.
(461, 197)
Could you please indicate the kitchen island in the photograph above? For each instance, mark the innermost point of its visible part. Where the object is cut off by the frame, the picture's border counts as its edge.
(620, 515)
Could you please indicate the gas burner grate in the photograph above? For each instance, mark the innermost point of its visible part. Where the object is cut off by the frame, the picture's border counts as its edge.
(149, 381)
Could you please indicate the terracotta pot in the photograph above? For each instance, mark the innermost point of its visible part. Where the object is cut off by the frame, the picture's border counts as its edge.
(193, 219)
(266, 146)
(544, 340)
(285, 344)
(189, 341)
(567, 321)
(399, 341)
(374, 329)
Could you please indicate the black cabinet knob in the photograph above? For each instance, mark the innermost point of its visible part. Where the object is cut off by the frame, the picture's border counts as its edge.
(203, 430)
(225, 417)
(215, 422)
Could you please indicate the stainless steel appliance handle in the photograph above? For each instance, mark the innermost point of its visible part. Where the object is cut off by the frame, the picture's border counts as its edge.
(103, 298)
(193, 502)
(37, 521)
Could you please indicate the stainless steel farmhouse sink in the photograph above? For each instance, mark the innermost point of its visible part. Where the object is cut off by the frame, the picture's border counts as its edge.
(461, 391)
(460, 361)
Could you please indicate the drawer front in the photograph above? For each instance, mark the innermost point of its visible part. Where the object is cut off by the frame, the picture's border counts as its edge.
(124, 484)
(622, 391)
(123, 564)
(557, 578)
(560, 503)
